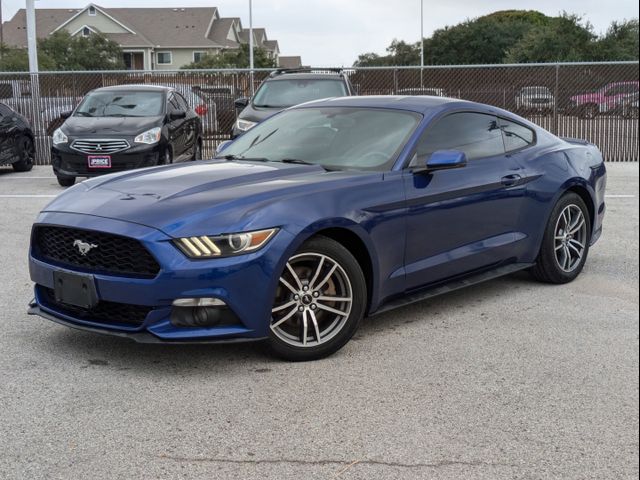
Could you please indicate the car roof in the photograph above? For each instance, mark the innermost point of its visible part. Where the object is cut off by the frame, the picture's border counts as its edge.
(305, 76)
(414, 103)
(135, 88)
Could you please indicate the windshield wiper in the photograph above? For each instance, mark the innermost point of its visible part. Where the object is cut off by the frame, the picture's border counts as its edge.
(269, 106)
(83, 114)
(240, 157)
(297, 160)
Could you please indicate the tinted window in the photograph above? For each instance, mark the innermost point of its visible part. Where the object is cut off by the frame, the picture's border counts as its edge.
(172, 104)
(120, 104)
(285, 93)
(516, 136)
(476, 134)
(182, 103)
(334, 137)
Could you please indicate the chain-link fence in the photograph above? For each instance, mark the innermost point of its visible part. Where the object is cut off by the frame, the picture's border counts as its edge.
(593, 101)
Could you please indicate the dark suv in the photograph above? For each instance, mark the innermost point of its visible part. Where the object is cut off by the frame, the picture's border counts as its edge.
(285, 88)
(122, 128)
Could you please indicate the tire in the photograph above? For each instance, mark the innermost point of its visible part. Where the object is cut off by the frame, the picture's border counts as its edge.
(563, 253)
(197, 152)
(323, 269)
(66, 181)
(590, 111)
(26, 151)
(166, 158)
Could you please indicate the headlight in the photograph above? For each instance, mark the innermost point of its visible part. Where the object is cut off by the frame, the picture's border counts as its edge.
(244, 125)
(59, 137)
(224, 245)
(149, 137)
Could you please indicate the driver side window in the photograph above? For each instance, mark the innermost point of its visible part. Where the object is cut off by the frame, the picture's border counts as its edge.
(172, 104)
(478, 135)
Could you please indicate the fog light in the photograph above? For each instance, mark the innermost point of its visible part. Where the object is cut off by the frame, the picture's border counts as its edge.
(201, 312)
(198, 302)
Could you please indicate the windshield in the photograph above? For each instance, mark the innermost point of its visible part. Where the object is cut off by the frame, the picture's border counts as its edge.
(286, 93)
(333, 137)
(536, 90)
(121, 104)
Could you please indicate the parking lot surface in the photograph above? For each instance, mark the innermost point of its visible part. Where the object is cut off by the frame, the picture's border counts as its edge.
(508, 379)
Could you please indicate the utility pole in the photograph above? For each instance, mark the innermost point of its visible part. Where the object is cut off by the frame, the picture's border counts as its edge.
(33, 66)
(1, 33)
(31, 36)
(251, 44)
(421, 41)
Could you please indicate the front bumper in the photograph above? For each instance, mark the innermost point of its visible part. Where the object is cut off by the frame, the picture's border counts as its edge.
(246, 283)
(67, 162)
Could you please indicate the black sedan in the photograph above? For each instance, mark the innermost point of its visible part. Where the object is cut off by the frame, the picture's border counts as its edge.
(16, 140)
(122, 128)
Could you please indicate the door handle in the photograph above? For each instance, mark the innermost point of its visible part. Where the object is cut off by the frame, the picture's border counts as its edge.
(511, 180)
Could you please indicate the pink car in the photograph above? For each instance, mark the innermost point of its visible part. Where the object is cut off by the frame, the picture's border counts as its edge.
(604, 100)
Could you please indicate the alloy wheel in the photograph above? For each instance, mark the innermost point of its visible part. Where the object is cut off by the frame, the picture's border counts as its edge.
(313, 300)
(570, 238)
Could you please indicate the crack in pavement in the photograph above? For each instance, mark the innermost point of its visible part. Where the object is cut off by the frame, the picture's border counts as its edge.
(444, 463)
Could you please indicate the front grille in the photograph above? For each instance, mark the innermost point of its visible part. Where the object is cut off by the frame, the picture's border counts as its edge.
(107, 253)
(103, 312)
(100, 147)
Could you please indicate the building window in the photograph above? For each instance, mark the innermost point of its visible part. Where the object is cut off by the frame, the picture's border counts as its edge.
(92, 11)
(86, 31)
(163, 58)
(197, 56)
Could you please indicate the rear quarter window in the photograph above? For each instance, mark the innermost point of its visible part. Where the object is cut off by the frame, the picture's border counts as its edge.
(516, 136)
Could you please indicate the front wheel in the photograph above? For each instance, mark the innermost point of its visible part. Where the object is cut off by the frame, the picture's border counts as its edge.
(66, 181)
(590, 111)
(565, 245)
(26, 152)
(197, 151)
(320, 300)
(165, 158)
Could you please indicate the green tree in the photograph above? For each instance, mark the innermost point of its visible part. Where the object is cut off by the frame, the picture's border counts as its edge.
(14, 59)
(563, 39)
(620, 42)
(482, 40)
(514, 36)
(238, 58)
(398, 53)
(94, 52)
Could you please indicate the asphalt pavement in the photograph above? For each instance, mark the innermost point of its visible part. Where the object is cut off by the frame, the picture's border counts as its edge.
(510, 379)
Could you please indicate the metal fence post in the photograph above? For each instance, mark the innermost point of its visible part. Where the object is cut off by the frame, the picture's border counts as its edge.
(556, 95)
(395, 81)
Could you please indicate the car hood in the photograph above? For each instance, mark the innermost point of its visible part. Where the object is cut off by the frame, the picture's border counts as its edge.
(204, 197)
(110, 125)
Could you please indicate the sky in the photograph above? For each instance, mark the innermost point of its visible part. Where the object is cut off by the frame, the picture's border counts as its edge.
(335, 32)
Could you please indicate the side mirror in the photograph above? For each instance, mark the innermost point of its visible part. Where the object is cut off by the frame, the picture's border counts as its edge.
(445, 160)
(177, 115)
(222, 145)
(66, 115)
(241, 102)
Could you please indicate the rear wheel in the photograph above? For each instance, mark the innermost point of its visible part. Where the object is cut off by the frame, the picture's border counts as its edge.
(565, 245)
(26, 151)
(320, 300)
(590, 111)
(66, 181)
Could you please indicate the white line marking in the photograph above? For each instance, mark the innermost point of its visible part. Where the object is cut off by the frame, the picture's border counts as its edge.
(27, 178)
(28, 196)
(619, 196)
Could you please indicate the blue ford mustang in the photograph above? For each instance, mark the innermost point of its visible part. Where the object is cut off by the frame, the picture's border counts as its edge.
(327, 212)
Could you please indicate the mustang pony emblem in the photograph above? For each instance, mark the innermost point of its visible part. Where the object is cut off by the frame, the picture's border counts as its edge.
(84, 247)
